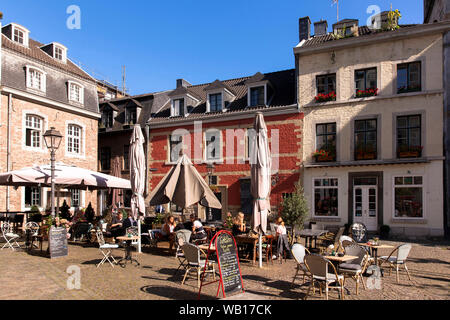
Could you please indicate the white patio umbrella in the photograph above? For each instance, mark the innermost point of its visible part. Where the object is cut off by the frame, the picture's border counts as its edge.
(65, 175)
(137, 176)
(261, 164)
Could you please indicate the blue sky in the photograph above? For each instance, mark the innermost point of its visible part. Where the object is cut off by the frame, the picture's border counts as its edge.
(159, 41)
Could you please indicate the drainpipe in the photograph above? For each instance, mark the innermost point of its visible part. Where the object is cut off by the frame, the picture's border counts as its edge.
(8, 148)
(147, 139)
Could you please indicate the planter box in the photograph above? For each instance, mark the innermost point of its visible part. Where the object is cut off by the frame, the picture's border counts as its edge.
(409, 154)
(366, 156)
(324, 158)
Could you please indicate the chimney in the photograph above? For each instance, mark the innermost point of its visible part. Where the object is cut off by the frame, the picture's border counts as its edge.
(304, 28)
(320, 28)
(182, 83)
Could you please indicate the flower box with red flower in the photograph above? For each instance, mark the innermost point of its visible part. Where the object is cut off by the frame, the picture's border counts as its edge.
(410, 151)
(323, 156)
(321, 97)
(367, 93)
(366, 155)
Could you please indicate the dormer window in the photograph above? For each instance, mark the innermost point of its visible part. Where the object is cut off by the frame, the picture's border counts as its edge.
(36, 78)
(215, 102)
(257, 96)
(130, 115)
(107, 118)
(59, 54)
(20, 35)
(177, 107)
(76, 92)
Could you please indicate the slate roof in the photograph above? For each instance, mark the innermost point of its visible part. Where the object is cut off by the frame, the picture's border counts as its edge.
(282, 93)
(34, 51)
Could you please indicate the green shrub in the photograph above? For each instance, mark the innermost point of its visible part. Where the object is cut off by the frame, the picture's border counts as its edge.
(295, 208)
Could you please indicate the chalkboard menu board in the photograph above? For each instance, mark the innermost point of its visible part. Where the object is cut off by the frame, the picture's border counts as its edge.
(230, 273)
(57, 238)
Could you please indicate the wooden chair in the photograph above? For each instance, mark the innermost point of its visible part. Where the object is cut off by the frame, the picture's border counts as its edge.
(330, 239)
(355, 268)
(267, 248)
(194, 262)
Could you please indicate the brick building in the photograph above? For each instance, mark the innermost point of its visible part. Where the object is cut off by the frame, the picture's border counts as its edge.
(211, 123)
(42, 88)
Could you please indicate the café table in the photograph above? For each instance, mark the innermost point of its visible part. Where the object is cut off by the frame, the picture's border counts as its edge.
(374, 249)
(128, 256)
(246, 239)
(339, 259)
(309, 235)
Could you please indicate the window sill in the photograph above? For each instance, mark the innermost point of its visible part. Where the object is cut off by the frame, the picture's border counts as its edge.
(373, 98)
(325, 219)
(37, 91)
(404, 220)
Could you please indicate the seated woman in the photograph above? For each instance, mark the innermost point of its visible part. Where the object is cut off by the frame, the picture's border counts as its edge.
(239, 225)
(168, 231)
(197, 229)
(116, 228)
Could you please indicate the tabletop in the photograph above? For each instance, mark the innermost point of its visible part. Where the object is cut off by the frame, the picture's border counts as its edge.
(311, 232)
(341, 259)
(380, 246)
(206, 247)
(125, 238)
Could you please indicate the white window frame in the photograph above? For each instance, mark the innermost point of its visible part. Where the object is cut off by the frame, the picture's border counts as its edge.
(29, 78)
(81, 95)
(172, 108)
(169, 153)
(394, 186)
(82, 138)
(43, 199)
(25, 32)
(205, 149)
(63, 52)
(32, 127)
(313, 200)
(208, 103)
(255, 85)
(72, 191)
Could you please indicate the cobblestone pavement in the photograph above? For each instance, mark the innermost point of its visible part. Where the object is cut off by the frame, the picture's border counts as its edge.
(31, 276)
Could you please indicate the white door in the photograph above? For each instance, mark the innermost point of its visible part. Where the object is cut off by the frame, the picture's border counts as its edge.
(365, 206)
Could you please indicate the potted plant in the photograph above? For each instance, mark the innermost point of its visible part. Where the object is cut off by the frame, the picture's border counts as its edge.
(295, 209)
(367, 93)
(35, 214)
(406, 151)
(321, 97)
(323, 155)
(89, 213)
(384, 231)
(64, 210)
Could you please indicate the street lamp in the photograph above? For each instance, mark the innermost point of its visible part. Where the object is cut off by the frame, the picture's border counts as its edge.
(52, 140)
(210, 167)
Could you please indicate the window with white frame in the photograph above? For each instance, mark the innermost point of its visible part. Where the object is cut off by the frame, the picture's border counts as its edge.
(59, 53)
(176, 147)
(178, 107)
(74, 135)
(75, 198)
(20, 35)
(33, 131)
(33, 197)
(215, 102)
(326, 197)
(212, 141)
(76, 92)
(408, 193)
(35, 79)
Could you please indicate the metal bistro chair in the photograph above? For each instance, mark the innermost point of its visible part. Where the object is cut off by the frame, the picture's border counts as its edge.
(355, 268)
(299, 252)
(402, 254)
(192, 254)
(9, 236)
(32, 231)
(181, 237)
(105, 249)
(318, 266)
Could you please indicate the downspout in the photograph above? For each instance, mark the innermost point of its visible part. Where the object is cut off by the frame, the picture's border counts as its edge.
(8, 148)
(147, 139)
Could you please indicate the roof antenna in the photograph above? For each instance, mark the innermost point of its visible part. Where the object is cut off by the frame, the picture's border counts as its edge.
(123, 79)
(336, 2)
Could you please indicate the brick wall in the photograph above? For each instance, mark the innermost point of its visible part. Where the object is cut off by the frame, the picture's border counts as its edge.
(22, 156)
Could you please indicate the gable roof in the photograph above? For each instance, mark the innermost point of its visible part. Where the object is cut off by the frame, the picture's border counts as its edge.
(35, 52)
(282, 94)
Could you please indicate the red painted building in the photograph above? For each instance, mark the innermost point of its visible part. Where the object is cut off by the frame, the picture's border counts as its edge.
(211, 124)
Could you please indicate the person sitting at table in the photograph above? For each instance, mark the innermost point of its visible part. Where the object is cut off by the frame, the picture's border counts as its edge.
(282, 242)
(116, 228)
(239, 225)
(197, 229)
(129, 222)
(168, 231)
